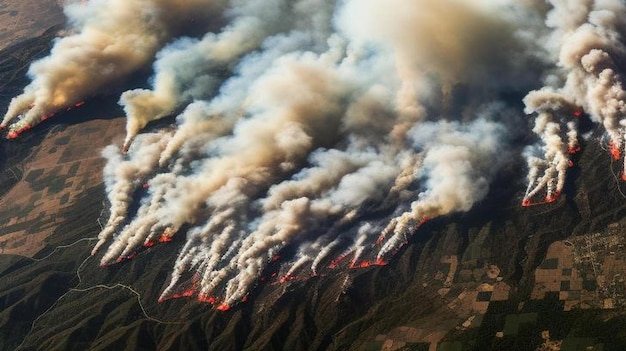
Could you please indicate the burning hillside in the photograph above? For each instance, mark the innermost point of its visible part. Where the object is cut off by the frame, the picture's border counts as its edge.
(319, 134)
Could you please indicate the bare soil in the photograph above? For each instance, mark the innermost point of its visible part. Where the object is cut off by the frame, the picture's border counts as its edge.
(24, 19)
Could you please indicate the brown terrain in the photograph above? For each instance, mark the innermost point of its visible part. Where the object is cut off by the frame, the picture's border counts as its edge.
(22, 19)
(54, 179)
(53, 176)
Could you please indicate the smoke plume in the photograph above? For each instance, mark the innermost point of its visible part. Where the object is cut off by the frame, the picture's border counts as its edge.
(588, 37)
(107, 40)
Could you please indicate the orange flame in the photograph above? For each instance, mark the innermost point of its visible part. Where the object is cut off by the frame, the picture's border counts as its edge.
(164, 238)
(223, 307)
(552, 198)
(186, 293)
(334, 263)
(207, 298)
(15, 133)
(365, 264)
(286, 278)
(572, 150)
(614, 151)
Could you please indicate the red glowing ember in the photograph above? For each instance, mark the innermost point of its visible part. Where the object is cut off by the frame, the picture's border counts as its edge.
(15, 133)
(336, 261)
(149, 243)
(365, 264)
(223, 307)
(577, 113)
(614, 151)
(164, 238)
(206, 298)
(526, 203)
(572, 150)
(286, 278)
(145, 186)
(552, 198)
(186, 293)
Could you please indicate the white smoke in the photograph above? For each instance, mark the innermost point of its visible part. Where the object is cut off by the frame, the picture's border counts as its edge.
(190, 69)
(314, 133)
(123, 176)
(108, 40)
(588, 37)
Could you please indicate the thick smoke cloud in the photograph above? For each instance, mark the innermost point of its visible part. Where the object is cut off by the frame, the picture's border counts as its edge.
(191, 69)
(316, 134)
(107, 40)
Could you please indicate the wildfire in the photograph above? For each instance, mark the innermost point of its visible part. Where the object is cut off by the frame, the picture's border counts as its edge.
(166, 237)
(206, 298)
(13, 134)
(572, 150)
(15, 131)
(223, 307)
(614, 150)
